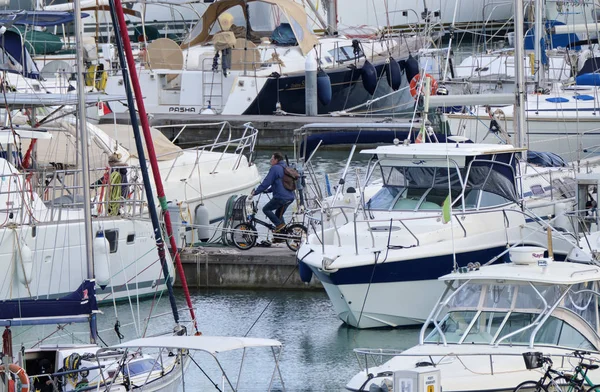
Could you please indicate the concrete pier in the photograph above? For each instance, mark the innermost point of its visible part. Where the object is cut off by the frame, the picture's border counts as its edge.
(256, 268)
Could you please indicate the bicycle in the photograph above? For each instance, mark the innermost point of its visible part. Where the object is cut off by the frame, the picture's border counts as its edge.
(244, 235)
(556, 380)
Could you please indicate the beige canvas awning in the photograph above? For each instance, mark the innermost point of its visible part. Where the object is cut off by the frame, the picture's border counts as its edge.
(293, 12)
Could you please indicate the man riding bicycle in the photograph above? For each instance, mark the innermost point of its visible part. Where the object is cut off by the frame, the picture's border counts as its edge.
(282, 197)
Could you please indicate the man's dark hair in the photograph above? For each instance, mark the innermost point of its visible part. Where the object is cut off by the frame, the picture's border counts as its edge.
(278, 156)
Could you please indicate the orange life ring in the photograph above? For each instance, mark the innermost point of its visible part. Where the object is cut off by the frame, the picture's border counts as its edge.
(18, 370)
(415, 84)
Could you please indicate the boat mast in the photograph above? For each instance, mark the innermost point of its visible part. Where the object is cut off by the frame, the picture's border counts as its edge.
(129, 73)
(160, 245)
(520, 90)
(85, 164)
(332, 27)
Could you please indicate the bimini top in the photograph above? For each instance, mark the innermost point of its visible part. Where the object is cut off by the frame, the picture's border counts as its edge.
(442, 150)
(562, 273)
(209, 344)
(293, 12)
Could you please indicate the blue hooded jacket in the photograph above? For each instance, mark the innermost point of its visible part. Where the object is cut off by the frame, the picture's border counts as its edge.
(274, 180)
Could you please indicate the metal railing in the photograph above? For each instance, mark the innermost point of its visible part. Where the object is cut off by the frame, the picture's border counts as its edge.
(378, 356)
(225, 143)
(61, 194)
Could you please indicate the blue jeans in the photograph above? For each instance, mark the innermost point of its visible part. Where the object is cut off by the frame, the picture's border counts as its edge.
(279, 206)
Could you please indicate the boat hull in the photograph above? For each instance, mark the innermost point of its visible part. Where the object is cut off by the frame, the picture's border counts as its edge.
(58, 250)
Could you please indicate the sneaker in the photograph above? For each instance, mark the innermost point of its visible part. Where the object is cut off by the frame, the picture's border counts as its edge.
(279, 228)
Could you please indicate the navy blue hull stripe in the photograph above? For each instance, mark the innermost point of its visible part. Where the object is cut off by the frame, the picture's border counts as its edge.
(427, 268)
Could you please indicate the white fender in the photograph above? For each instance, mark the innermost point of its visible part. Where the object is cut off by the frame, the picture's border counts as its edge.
(561, 220)
(24, 263)
(101, 249)
(583, 56)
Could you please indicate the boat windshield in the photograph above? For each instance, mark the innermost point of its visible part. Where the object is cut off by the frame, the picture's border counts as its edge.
(415, 188)
(505, 313)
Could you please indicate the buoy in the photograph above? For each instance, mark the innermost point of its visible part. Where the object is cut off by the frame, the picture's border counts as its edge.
(393, 74)
(24, 265)
(411, 66)
(101, 249)
(324, 92)
(369, 77)
(304, 271)
(202, 222)
(20, 372)
(415, 85)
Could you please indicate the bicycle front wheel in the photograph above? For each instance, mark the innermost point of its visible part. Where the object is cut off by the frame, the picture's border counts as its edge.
(593, 388)
(244, 236)
(530, 386)
(296, 235)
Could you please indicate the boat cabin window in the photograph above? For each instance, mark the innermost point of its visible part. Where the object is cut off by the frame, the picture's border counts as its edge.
(345, 53)
(141, 366)
(488, 313)
(459, 327)
(482, 184)
(416, 188)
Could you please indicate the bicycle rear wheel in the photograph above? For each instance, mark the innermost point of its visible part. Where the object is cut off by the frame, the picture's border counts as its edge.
(244, 236)
(296, 235)
(593, 388)
(530, 386)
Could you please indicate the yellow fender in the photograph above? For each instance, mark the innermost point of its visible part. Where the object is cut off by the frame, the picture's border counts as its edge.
(90, 76)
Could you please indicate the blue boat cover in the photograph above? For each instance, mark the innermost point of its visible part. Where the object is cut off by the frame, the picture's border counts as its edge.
(284, 35)
(545, 159)
(589, 79)
(554, 40)
(11, 44)
(80, 302)
(37, 18)
(557, 99)
(583, 97)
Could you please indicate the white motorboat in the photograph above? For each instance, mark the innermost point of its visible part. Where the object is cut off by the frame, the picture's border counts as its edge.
(374, 244)
(489, 316)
